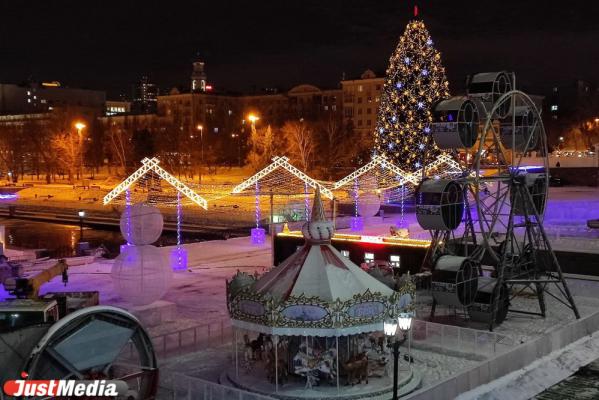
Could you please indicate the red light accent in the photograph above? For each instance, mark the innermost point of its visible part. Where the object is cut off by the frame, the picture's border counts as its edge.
(24, 375)
(415, 11)
(208, 88)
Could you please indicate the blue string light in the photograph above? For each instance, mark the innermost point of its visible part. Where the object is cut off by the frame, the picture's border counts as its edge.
(258, 213)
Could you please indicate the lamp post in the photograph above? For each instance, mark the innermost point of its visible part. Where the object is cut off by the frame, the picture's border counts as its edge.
(405, 325)
(237, 137)
(253, 118)
(200, 128)
(80, 126)
(390, 326)
(81, 214)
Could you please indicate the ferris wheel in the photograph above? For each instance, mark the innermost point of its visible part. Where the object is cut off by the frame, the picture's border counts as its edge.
(99, 342)
(492, 216)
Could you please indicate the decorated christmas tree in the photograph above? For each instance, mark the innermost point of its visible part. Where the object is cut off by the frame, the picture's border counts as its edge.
(415, 81)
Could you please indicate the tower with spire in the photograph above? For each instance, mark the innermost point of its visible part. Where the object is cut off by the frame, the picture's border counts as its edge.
(198, 77)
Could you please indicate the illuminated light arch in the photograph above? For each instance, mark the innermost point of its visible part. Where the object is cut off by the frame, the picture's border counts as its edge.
(379, 161)
(281, 162)
(443, 160)
(152, 165)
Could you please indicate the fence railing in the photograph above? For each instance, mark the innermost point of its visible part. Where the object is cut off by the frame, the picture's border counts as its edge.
(191, 388)
(462, 340)
(191, 339)
(188, 340)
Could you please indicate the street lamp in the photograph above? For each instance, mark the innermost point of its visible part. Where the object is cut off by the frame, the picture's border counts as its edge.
(80, 126)
(253, 118)
(390, 328)
(81, 214)
(404, 322)
(200, 128)
(405, 325)
(237, 137)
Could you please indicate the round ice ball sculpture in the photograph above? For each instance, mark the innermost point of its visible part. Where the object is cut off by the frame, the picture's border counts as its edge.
(141, 274)
(368, 204)
(141, 224)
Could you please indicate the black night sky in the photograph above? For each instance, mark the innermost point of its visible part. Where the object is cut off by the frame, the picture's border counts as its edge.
(110, 44)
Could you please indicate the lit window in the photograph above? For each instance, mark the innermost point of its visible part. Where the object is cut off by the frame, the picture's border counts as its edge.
(360, 88)
(554, 107)
(215, 130)
(345, 253)
(368, 256)
(334, 107)
(326, 108)
(395, 261)
(28, 93)
(28, 100)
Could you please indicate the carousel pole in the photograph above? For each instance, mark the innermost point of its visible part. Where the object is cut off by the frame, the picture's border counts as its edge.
(337, 357)
(276, 363)
(236, 355)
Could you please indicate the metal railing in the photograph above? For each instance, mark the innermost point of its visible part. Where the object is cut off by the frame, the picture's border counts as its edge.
(458, 339)
(191, 388)
(191, 339)
(188, 340)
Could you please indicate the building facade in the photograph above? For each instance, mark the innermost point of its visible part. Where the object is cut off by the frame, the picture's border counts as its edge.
(116, 107)
(33, 98)
(361, 99)
(145, 97)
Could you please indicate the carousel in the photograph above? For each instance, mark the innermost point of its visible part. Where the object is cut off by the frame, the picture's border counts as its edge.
(312, 327)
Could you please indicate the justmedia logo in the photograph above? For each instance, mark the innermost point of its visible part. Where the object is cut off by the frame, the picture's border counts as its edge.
(64, 388)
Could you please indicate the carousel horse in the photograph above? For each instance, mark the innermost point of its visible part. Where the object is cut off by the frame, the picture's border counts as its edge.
(377, 356)
(304, 364)
(327, 365)
(356, 367)
(277, 366)
(254, 347)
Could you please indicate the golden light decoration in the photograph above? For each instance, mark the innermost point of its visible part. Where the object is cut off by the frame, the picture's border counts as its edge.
(415, 81)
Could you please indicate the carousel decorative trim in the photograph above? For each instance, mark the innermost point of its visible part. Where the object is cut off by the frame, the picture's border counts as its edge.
(363, 312)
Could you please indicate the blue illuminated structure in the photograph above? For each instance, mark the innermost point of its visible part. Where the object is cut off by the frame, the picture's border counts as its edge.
(179, 254)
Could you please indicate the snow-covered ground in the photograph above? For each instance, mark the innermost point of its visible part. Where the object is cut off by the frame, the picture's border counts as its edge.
(199, 293)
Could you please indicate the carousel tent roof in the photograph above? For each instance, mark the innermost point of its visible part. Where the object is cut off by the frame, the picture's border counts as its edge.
(318, 269)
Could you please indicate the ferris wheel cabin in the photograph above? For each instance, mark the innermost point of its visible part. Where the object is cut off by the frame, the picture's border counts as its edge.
(520, 130)
(488, 87)
(455, 123)
(439, 204)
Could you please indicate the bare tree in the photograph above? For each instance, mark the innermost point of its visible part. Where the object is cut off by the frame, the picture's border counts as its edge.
(12, 149)
(300, 142)
(119, 144)
(67, 148)
(39, 136)
(262, 147)
(335, 148)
